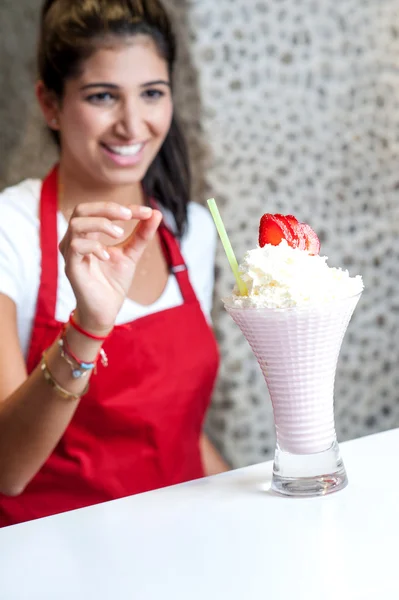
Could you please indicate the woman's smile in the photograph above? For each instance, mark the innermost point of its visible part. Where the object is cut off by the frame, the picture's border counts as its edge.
(127, 155)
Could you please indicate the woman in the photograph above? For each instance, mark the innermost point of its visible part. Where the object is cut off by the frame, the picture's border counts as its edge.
(107, 362)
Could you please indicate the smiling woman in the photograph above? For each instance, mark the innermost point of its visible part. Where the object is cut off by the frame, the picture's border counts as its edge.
(87, 81)
(118, 117)
(107, 360)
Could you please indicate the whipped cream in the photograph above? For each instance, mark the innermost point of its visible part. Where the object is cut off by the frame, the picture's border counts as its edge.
(285, 277)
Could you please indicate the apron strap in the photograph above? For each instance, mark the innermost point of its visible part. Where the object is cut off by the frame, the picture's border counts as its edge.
(47, 297)
(47, 294)
(176, 262)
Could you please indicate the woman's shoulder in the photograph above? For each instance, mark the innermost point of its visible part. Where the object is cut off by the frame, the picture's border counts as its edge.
(198, 248)
(20, 203)
(200, 223)
(19, 225)
(19, 241)
(198, 214)
(199, 240)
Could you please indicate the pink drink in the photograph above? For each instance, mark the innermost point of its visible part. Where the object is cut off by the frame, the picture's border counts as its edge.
(297, 350)
(294, 310)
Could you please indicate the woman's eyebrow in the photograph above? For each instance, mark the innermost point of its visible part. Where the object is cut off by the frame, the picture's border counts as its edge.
(156, 82)
(112, 86)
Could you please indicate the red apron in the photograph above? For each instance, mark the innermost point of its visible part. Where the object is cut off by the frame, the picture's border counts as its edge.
(138, 427)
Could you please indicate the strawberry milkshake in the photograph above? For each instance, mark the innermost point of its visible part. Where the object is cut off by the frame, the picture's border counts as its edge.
(294, 316)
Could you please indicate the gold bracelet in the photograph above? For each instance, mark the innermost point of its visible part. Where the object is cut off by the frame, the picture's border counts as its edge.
(60, 390)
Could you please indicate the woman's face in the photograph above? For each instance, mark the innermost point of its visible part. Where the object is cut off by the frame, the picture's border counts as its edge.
(116, 114)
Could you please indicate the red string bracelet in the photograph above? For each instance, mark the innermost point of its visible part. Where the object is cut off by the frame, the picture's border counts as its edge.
(101, 354)
(73, 323)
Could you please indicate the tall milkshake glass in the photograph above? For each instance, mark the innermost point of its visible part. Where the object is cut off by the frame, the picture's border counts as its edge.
(297, 350)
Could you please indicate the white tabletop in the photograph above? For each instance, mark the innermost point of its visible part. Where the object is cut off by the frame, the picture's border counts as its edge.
(224, 538)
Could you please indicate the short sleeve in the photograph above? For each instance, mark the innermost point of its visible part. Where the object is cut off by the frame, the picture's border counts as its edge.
(10, 267)
(18, 233)
(198, 248)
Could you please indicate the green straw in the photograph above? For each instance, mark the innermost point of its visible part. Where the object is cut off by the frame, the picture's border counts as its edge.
(227, 246)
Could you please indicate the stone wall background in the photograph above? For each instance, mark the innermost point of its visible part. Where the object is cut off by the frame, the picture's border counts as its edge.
(289, 106)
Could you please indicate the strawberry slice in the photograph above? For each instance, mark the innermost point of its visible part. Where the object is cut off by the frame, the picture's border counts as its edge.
(275, 228)
(286, 227)
(299, 236)
(270, 231)
(293, 221)
(312, 241)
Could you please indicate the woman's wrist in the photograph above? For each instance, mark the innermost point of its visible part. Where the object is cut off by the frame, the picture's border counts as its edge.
(92, 329)
(86, 348)
(71, 361)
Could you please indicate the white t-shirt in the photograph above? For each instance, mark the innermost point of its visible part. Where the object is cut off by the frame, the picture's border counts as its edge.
(20, 261)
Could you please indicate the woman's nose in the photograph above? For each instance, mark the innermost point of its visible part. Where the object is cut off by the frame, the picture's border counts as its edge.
(131, 121)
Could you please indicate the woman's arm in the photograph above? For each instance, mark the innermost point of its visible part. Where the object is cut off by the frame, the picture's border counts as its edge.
(211, 459)
(33, 416)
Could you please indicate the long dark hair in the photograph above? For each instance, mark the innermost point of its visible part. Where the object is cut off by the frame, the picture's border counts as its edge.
(72, 30)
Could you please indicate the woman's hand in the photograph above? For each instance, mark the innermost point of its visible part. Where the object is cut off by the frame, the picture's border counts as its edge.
(101, 275)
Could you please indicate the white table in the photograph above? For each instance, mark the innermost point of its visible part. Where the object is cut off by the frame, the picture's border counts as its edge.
(223, 537)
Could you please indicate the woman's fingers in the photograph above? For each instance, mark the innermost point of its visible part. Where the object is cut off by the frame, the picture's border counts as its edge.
(80, 247)
(80, 226)
(112, 210)
(135, 245)
(95, 218)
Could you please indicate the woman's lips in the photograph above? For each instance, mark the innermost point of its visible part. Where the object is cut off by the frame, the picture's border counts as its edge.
(125, 155)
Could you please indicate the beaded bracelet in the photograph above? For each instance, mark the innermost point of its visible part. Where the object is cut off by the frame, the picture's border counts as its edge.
(79, 368)
(56, 386)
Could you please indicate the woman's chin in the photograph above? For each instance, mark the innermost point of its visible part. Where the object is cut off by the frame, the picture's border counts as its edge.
(120, 176)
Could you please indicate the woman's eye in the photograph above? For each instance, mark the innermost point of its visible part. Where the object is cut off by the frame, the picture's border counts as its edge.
(153, 94)
(101, 98)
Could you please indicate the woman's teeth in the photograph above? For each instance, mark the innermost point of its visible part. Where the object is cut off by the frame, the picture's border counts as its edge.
(126, 150)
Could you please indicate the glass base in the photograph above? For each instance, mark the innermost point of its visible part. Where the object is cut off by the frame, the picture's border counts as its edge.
(307, 475)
